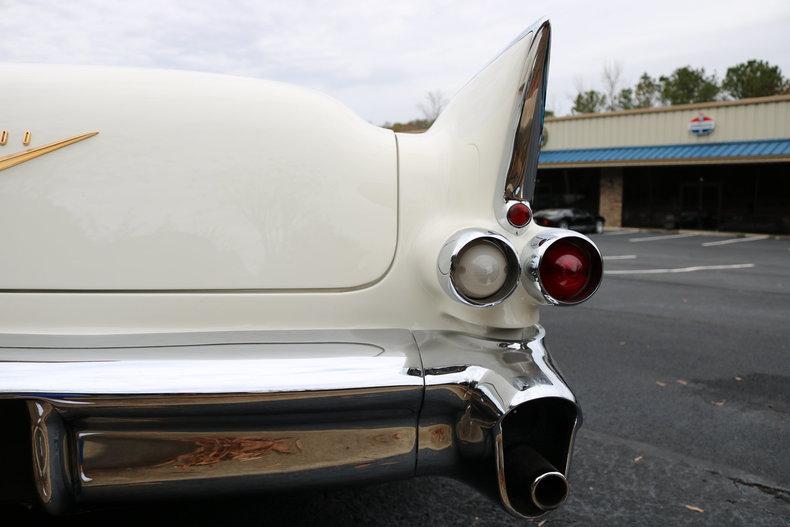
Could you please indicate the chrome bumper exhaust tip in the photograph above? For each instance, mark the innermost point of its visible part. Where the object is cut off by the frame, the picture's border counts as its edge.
(532, 479)
(549, 490)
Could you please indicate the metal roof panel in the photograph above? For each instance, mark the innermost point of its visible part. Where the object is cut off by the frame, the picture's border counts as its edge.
(737, 149)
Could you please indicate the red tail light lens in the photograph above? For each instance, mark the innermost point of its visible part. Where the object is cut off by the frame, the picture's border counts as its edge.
(519, 215)
(570, 270)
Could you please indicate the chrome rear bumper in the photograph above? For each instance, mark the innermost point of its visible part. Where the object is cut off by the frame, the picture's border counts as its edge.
(131, 416)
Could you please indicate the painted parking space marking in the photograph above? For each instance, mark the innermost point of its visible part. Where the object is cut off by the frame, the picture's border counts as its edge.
(618, 233)
(620, 257)
(735, 240)
(666, 237)
(682, 269)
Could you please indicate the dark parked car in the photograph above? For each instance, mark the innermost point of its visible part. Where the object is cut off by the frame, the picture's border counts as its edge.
(576, 219)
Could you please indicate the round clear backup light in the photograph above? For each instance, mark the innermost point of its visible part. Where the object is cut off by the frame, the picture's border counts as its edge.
(561, 267)
(478, 268)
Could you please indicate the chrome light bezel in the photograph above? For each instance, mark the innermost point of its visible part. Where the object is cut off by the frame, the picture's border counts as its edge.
(533, 254)
(450, 252)
(501, 216)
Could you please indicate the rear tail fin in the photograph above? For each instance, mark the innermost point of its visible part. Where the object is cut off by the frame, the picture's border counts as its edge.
(500, 111)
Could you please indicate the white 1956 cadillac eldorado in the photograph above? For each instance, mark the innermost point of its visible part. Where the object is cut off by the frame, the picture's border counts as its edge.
(212, 284)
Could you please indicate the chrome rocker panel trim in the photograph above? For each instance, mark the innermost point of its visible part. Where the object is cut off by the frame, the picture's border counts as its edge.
(141, 416)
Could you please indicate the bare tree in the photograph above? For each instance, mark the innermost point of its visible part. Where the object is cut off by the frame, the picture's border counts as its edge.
(579, 85)
(612, 72)
(433, 105)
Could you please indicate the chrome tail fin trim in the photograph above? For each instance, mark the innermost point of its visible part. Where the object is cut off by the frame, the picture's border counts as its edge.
(528, 115)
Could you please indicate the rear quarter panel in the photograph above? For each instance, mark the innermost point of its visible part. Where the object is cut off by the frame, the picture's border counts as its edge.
(194, 182)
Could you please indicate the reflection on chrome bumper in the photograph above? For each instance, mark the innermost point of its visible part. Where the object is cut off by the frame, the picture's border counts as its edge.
(116, 417)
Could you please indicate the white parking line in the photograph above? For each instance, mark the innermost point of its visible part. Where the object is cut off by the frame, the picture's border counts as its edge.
(735, 240)
(620, 257)
(666, 237)
(681, 269)
(618, 233)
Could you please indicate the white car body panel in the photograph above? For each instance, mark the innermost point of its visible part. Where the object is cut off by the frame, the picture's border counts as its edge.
(194, 182)
(447, 181)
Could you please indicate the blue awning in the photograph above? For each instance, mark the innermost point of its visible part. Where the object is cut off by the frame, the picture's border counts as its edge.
(669, 154)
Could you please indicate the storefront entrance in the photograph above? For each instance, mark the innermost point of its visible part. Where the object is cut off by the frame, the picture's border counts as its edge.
(746, 197)
(700, 205)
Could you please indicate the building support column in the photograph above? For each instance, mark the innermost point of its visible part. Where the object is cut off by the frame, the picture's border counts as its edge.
(610, 205)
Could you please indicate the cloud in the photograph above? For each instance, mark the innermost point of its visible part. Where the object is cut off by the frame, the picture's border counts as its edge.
(381, 57)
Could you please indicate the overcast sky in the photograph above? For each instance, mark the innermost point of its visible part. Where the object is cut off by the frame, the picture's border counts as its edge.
(380, 58)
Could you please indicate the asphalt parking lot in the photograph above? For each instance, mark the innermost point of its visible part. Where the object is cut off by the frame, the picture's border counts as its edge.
(682, 364)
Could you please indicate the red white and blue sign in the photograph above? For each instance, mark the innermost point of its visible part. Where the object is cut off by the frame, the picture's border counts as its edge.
(702, 125)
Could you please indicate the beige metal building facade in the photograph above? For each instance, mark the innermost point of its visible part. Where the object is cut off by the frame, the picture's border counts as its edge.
(722, 165)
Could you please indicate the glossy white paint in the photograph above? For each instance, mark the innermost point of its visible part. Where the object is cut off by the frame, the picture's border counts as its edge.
(446, 182)
(195, 182)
